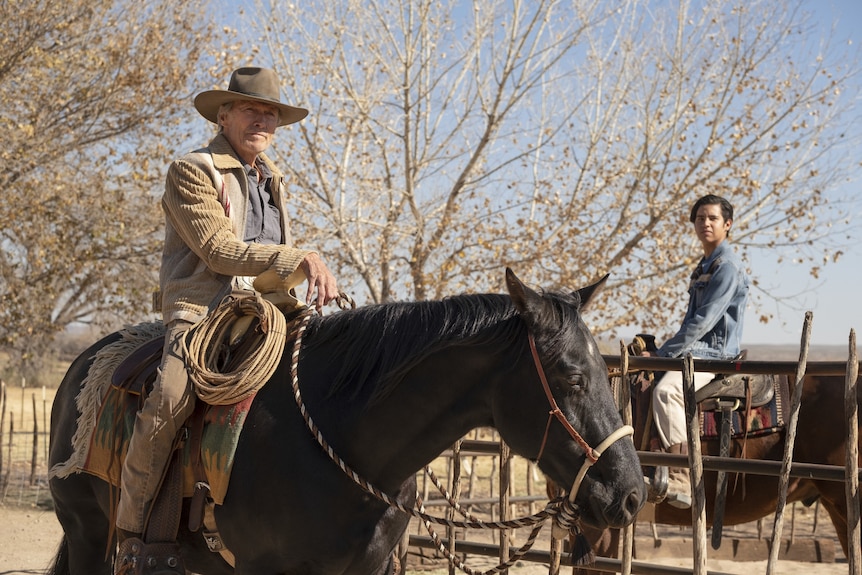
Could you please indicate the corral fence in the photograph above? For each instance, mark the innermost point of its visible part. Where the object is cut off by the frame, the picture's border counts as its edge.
(480, 474)
(25, 415)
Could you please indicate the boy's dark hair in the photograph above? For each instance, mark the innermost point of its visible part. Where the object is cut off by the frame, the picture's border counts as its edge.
(710, 199)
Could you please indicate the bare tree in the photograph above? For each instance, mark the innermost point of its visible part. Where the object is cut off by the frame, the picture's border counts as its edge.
(418, 123)
(89, 100)
(447, 139)
(738, 101)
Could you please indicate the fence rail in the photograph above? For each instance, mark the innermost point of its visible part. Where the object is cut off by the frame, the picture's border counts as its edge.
(754, 367)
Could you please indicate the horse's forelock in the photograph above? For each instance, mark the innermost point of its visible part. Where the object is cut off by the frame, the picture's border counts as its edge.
(556, 323)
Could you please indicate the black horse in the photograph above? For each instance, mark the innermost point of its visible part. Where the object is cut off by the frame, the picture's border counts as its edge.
(391, 387)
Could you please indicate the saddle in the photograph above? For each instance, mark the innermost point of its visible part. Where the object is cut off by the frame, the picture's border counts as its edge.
(747, 391)
(137, 372)
(158, 552)
(730, 405)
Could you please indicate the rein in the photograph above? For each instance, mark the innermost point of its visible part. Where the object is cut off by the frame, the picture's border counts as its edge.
(563, 510)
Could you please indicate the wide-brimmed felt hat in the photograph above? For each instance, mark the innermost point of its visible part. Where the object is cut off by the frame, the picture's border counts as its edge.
(256, 84)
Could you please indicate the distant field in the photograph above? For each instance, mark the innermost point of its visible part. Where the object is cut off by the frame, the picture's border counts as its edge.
(768, 352)
(791, 353)
(50, 376)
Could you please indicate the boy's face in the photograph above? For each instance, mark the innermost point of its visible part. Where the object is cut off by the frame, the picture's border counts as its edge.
(710, 226)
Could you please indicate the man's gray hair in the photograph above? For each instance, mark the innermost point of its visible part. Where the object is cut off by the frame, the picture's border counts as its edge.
(223, 109)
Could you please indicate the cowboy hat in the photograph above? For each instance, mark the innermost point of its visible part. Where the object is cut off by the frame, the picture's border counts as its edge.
(256, 84)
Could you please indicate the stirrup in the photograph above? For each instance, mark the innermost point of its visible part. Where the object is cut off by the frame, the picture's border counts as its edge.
(679, 500)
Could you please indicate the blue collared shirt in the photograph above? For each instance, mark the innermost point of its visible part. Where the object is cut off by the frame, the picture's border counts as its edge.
(263, 222)
(718, 292)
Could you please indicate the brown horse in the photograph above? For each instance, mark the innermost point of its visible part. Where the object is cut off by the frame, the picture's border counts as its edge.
(821, 438)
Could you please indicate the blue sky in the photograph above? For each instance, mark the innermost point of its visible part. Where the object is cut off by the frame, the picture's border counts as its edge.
(835, 299)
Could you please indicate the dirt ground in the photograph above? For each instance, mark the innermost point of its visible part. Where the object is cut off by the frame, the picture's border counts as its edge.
(29, 537)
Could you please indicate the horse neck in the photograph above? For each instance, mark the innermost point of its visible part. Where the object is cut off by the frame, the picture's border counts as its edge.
(440, 401)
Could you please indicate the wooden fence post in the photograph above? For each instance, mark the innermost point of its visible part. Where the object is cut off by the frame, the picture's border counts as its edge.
(35, 453)
(695, 461)
(784, 479)
(455, 486)
(5, 483)
(851, 485)
(45, 423)
(625, 401)
(505, 510)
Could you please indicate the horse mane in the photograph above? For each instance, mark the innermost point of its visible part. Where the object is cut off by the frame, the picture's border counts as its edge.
(377, 345)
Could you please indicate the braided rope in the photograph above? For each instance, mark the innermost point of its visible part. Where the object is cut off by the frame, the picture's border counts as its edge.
(298, 328)
(202, 344)
(453, 559)
(448, 496)
(564, 513)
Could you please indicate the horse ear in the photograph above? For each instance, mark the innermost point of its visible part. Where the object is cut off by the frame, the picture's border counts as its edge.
(586, 293)
(521, 294)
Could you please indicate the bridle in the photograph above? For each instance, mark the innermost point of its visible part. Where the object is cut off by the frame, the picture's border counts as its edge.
(591, 453)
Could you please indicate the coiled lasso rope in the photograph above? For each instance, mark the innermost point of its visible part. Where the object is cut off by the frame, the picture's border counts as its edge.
(206, 346)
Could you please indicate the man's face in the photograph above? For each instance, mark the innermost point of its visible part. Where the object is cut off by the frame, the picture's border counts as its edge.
(249, 127)
(710, 226)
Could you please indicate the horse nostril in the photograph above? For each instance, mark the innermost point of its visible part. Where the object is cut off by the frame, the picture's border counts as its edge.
(634, 502)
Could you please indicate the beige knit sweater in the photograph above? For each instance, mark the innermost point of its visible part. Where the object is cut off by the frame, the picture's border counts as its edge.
(203, 249)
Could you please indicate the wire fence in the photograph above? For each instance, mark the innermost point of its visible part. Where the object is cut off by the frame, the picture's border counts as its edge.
(25, 415)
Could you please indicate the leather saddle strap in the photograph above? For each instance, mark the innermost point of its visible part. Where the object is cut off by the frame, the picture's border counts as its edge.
(721, 478)
(163, 523)
(202, 488)
(746, 418)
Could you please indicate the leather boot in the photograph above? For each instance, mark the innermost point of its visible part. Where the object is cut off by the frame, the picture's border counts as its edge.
(129, 549)
(679, 481)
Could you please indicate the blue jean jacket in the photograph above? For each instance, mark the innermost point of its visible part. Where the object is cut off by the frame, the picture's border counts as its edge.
(718, 292)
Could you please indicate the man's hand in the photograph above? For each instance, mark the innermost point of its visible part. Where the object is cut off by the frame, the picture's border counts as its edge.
(320, 280)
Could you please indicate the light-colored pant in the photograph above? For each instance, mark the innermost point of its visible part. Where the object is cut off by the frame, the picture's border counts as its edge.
(164, 411)
(668, 405)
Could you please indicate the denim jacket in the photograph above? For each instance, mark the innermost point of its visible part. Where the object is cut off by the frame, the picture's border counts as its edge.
(712, 327)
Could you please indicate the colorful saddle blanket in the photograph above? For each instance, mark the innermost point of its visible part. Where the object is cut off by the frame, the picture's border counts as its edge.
(115, 422)
(107, 415)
